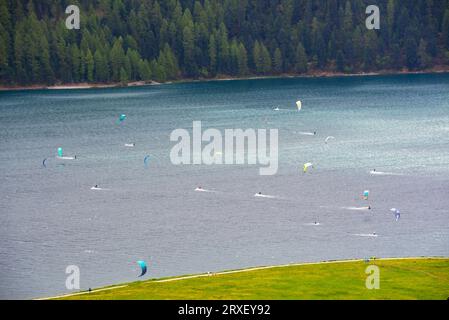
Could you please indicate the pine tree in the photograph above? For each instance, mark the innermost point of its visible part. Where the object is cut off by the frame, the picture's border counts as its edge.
(347, 19)
(4, 50)
(212, 55)
(371, 51)
(424, 58)
(242, 60)
(46, 72)
(172, 66)
(76, 63)
(82, 66)
(32, 41)
(6, 71)
(133, 60)
(191, 69)
(318, 44)
(90, 66)
(117, 60)
(301, 59)
(396, 56)
(5, 17)
(61, 59)
(144, 70)
(411, 53)
(266, 60)
(158, 72)
(340, 61)
(257, 57)
(101, 67)
(357, 48)
(445, 29)
(277, 61)
(223, 50)
(123, 76)
(390, 18)
(233, 58)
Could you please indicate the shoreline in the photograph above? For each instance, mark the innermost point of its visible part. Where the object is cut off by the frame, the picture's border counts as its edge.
(317, 74)
(227, 272)
(78, 86)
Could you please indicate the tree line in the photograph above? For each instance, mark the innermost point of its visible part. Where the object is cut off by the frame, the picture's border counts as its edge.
(162, 40)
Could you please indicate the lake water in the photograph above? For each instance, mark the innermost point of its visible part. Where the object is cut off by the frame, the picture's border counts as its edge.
(49, 217)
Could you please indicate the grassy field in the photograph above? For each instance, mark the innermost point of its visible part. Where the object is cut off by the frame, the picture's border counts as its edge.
(425, 278)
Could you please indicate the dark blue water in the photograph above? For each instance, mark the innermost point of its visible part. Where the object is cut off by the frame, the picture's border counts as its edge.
(49, 217)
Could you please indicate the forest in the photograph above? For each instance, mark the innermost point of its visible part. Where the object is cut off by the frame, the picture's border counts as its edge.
(121, 41)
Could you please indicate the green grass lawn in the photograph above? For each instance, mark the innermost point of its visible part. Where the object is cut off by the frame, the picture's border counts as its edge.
(424, 278)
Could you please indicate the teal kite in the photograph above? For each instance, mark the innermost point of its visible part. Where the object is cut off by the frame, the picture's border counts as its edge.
(143, 267)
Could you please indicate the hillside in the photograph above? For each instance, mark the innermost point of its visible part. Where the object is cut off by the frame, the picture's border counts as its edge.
(414, 278)
(125, 41)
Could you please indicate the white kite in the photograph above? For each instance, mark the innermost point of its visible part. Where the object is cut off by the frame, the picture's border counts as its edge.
(307, 166)
(329, 138)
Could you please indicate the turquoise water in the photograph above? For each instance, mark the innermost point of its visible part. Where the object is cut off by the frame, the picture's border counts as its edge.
(49, 217)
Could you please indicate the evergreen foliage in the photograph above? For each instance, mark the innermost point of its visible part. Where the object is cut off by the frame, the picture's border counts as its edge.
(136, 40)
